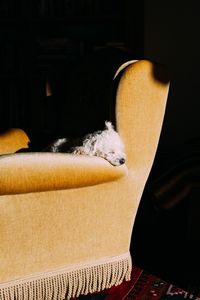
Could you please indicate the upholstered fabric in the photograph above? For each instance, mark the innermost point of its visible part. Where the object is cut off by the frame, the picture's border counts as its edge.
(12, 140)
(53, 171)
(65, 221)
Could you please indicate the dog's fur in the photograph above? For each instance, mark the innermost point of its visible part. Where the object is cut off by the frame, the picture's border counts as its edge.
(106, 144)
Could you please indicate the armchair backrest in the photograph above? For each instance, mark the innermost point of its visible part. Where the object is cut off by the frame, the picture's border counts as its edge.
(140, 105)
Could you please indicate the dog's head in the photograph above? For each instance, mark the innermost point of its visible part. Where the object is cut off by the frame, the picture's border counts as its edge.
(108, 145)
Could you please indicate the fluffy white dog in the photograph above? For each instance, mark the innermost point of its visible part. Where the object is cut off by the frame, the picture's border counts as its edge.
(106, 144)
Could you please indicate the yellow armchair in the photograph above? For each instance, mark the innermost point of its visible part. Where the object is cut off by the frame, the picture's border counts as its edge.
(66, 220)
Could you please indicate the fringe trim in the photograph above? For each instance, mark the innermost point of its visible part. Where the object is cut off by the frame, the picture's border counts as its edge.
(70, 283)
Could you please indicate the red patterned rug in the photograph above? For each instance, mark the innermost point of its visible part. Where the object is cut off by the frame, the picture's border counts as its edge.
(142, 286)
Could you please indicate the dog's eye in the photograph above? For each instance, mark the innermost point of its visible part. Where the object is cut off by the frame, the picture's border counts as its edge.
(111, 152)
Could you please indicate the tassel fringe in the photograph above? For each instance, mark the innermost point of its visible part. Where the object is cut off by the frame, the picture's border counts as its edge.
(70, 283)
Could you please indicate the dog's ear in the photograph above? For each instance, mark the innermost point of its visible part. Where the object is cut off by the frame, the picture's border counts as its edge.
(109, 125)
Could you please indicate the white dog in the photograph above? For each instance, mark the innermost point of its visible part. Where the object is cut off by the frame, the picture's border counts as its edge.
(106, 144)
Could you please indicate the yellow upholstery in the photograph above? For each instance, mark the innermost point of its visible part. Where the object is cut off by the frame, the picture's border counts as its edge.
(40, 172)
(65, 220)
(12, 140)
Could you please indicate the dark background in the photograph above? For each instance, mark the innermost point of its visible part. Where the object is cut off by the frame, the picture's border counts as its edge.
(57, 61)
(171, 243)
(72, 47)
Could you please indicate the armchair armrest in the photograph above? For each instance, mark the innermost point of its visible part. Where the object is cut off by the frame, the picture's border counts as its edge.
(12, 140)
(38, 172)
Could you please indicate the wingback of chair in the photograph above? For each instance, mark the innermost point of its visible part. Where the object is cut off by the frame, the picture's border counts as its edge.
(12, 140)
(141, 101)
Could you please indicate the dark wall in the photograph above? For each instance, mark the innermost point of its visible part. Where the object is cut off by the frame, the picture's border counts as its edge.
(73, 46)
(172, 36)
(166, 239)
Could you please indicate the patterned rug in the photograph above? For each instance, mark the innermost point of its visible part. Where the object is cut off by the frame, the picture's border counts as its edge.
(142, 286)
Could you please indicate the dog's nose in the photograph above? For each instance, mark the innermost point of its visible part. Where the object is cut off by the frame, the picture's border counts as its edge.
(122, 161)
